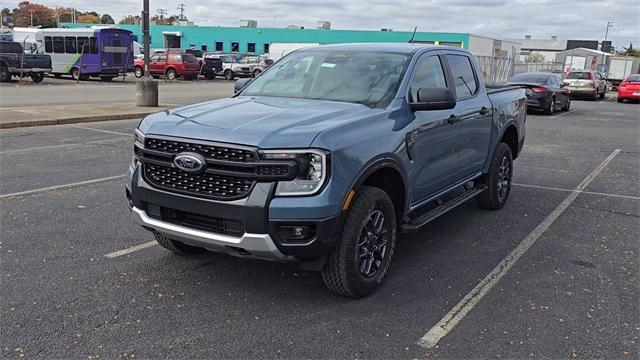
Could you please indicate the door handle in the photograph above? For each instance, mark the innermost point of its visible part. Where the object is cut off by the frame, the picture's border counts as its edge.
(484, 111)
(453, 119)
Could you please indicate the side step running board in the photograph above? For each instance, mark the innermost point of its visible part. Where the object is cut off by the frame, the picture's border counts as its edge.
(442, 208)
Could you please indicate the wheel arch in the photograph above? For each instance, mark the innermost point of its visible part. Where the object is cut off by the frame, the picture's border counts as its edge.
(509, 136)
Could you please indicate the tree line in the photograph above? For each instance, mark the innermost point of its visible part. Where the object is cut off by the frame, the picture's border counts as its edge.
(32, 14)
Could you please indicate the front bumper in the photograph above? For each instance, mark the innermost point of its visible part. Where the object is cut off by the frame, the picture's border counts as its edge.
(260, 246)
(259, 214)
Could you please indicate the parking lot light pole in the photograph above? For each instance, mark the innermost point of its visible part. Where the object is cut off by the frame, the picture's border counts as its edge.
(606, 35)
(146, 87)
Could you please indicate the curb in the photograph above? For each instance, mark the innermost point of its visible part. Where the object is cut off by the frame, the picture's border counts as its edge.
(76, 120)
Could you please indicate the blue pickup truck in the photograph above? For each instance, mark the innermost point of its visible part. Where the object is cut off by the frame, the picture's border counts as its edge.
(326, 156)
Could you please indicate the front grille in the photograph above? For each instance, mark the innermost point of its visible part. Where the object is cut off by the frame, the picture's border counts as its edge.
(206, 150)
(206, 223)
(203, 185)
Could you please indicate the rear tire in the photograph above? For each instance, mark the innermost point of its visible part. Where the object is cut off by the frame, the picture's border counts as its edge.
(603, 93)
(498, 180)
(256, 72)
(177, 247)
(620, 100)
(228, 74)
(360, 260)
(5, 75)
(567, 105)
(551, 107)
(596, 96)
(171, 74)
(75, 74)
(37, 77)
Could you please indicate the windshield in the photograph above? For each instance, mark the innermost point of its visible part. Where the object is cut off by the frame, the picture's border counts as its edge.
(359, 77)
(530, 78)
(633, 78)
(578, 76)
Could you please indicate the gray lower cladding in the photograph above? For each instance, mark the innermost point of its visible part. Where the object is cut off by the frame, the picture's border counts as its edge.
(259, 246)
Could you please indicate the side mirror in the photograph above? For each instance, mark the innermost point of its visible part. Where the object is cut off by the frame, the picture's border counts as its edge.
(562, 85)
(434, 98)
(240, 84)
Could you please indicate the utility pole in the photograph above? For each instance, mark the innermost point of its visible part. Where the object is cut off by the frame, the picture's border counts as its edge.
(162, 13)
(146, 88)
(31, 14)
(181, 8)
(145, 36)
(57, 17)
(606, 35)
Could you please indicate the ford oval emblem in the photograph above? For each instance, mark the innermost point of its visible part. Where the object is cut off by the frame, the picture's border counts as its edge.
(190, 162)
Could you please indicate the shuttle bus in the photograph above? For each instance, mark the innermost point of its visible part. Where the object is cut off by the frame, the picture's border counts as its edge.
(104, 52)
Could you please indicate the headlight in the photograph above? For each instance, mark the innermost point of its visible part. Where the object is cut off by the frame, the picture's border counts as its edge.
(138, 143)
(312, 171)
(138, 137)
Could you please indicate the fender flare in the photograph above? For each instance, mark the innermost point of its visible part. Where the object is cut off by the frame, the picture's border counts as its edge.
(381, 162)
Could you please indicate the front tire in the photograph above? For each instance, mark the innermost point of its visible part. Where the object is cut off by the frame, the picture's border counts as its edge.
(620, 100)
(498, 180)
(138, 71)
(359, 263)
(175, 246)
(228, 74)
(171, 74)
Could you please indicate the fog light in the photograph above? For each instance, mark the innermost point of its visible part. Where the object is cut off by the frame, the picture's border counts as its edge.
(296, 233)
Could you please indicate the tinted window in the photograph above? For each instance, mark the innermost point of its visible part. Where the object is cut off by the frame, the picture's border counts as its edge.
(530, 78)
(235, 46)
(10, 47)
(266, 48)
(70, 45)
(428, 73)
(578, 76)
(189, 58)
(83, 45)
(633, 78)
(48, 44)
(58, 44)
(219, 45)
(93, 45)
(463, 76)
(251, 47)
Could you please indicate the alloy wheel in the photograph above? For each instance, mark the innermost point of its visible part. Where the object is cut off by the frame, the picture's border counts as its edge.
(504, 178)
(371, 247)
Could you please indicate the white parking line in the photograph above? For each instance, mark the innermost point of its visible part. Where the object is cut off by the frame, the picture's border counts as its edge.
(63, 145)
(104, 131)
(582, 192)
(129, 250)
(458, 312)
(59, 187)
(563, 114)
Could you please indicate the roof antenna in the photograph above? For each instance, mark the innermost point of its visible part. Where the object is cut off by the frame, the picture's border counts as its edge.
(413, 35)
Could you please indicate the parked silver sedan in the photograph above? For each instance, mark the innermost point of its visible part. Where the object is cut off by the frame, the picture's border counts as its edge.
(586, 83)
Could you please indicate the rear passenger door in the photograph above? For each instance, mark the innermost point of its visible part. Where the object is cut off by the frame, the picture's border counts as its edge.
(473, 115)
(433, 138)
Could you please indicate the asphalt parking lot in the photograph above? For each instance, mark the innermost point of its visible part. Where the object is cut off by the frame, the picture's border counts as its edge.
(80, 279)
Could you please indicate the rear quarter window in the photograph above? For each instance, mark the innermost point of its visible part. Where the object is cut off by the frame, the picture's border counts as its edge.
(463, 76)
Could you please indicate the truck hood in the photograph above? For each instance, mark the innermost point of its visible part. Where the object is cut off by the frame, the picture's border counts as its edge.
(265, 122)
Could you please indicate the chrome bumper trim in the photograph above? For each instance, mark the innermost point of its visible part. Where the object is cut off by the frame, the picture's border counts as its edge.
(259, 246)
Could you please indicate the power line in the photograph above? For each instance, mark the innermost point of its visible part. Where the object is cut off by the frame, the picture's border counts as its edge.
(162, 13)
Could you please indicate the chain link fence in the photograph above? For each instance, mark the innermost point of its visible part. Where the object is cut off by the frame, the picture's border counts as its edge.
(549, 66)
(495, 70)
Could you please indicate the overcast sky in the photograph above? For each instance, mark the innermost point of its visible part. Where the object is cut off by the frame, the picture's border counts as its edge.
(568, 19)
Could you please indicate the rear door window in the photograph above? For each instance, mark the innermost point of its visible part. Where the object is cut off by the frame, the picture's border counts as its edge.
(428, 74)
(189, 58)
(463, 76)
(58, 44)
(70, 45)
(48, 44)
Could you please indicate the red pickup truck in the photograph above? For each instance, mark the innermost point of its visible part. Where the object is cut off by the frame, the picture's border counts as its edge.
(172, 65)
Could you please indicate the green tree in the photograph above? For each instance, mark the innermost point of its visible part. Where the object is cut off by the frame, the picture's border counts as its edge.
(130, 20)
(631, 51)
(106, 19)
(535, 57)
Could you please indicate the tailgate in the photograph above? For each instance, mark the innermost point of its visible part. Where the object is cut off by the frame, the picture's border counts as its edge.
(32, 61)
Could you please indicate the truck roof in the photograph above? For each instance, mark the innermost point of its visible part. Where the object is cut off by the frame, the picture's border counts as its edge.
(402, 48)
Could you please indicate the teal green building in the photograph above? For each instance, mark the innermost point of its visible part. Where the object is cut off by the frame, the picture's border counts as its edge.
(256, 41)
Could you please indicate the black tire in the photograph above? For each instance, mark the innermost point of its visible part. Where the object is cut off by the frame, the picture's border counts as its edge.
(567, 105)
(256, 72)
(210, 75)
(138, 72)
(603, 93)
(171, 74)
(228, 74)
(75, 74)
(5, 75)
(620, 100)
(596, 95)
(37, 77)
(177, 247)
(359, 250)
(551, 107)
(498, 180)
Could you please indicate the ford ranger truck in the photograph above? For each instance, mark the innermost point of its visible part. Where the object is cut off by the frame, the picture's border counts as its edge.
(324, 158)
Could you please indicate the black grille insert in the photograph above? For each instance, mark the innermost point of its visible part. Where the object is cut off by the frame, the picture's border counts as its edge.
(203, 185)
(208, 151)
(205, 223)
